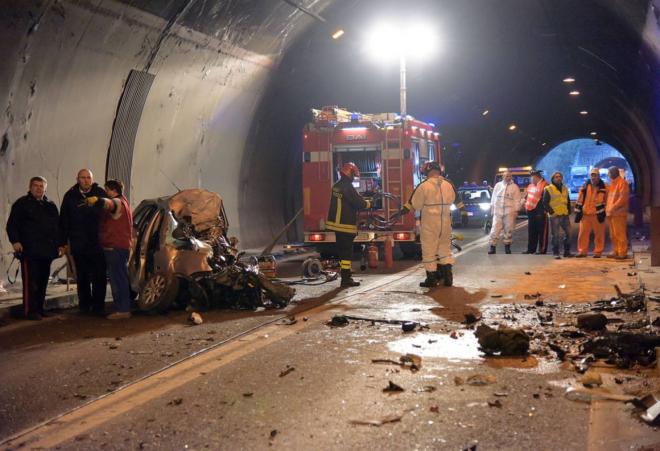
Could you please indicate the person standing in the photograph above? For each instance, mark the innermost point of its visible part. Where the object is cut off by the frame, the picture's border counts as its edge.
(32, 228)
(504, 205)
(616, 210)
(537, 228)
(342, 219)
(79, 234)
(115, 231)
(558, 206)
(590, 214)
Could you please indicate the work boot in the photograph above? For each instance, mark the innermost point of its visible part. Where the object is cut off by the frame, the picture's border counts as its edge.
(507, 248)
(440, 273)
(431, 280)
(567, 253)
(491, 251)
(448, 275)
(347, 280)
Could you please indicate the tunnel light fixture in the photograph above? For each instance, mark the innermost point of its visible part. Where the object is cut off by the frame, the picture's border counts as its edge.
(544, 144)
(338, 34)
(485, 113)
(569, 80)
(593, 133)
(575, 93)
(512, 127)
(584, 112)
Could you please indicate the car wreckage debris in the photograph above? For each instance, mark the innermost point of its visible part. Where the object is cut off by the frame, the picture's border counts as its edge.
(503, 341)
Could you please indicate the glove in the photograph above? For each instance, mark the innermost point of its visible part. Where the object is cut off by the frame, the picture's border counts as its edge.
(551, 211)
(404, 211)
(91, 201)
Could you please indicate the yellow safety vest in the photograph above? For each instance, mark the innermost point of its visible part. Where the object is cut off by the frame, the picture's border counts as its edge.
(558, 200)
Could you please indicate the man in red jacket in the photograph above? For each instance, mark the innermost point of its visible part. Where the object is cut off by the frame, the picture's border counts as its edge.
(115, 231)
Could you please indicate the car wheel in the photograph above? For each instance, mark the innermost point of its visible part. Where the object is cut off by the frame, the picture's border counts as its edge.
(159, 292)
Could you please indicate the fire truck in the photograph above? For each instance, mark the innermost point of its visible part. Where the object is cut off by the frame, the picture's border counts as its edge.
(389, 151)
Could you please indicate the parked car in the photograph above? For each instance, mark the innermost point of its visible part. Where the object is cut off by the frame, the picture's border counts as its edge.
(181, 253)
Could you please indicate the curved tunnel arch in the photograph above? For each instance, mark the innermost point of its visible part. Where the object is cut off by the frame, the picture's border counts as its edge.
(235, 80)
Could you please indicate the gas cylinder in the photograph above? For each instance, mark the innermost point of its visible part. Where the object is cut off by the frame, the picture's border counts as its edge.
(372, 255)
(388, 248)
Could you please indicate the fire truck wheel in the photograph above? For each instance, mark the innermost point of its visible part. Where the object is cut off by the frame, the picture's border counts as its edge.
(159, 292)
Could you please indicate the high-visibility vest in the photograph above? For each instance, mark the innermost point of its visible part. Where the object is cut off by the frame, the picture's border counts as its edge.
(558, 200)
(534, 194)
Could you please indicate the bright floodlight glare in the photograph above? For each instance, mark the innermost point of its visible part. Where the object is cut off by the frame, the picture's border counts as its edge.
(386, 41)
(512, 127)
(338, 34)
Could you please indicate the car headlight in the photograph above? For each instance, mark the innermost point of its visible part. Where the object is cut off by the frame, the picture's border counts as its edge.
(452, 207)
(485, 206)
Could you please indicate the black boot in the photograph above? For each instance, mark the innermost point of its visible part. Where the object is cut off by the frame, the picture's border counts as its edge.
(507, 248)
(431, 280)
(567, 252)
(448, 275)
(347, 280)
(491, 251)
(439, 273)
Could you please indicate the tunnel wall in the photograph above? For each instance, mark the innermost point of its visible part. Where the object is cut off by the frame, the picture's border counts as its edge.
(64, 69)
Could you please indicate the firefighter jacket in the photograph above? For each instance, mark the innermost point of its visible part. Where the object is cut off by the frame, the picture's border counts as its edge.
(534, 196)
(505, 199)
(344, 205)
(556, 201)
(617, 198)
(34, 224)
(591, 201)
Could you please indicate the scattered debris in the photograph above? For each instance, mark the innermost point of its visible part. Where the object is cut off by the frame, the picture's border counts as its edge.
(288, 370)
(500, 394)
(592, 321)
(413, 361)
(425, 389)
(338, 321)
(539, 303)
(288, 321)
(394, 418)
(495, 295)
(434, 409)
(591, 379)
(479, 380)
(496, 403)
(470, 318)
(195, 319)
(562, 286)
(529, 297)
(393, 388)
(503, 341)
(175, 402)
(652, 404)
(527, 273)
(273, 433)
(408, 326)
(248, 394)
(623, 348)
(458, 380)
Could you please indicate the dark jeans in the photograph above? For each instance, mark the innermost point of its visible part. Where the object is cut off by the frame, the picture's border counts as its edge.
(345, 249)
(91, 281)
(563, 223)
(117, 261)
(34, 272)
(537, 233)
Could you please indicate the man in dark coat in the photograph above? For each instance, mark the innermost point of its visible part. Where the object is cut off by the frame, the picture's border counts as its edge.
(79, 227)
(33, 229)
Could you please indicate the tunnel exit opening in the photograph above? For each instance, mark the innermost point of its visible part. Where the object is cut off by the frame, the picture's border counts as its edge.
(576, 157)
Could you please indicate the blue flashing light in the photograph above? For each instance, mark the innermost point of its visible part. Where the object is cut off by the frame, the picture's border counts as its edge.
(431, 124)
(355, 116)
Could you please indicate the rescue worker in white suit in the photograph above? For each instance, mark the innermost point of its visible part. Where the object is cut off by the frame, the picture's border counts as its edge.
(433, 199)
(504, 206)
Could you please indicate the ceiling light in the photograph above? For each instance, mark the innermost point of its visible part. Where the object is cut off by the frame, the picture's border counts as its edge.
(544, 144)
(584, 112)
(338, 34)
(512, 127)
(485, 112)
(569, 80)
(574, 93)
(593, 133)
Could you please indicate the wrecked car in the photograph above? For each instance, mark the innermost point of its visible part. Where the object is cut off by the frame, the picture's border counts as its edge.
(181, 256)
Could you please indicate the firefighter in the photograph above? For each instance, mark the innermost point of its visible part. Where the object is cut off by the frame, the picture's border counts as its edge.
(537, 229)
(342, 218)
(504, 205)
(433, 199)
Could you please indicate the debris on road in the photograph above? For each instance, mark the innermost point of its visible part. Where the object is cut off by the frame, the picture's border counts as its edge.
(592, 321)
(412, 361)
(652, 404)
(288, 370)
(503, 341)
(479, 380)
(591, 379)
(195, 319)
(394, 418)
(496, 403)
(175, 402)
(393, 388)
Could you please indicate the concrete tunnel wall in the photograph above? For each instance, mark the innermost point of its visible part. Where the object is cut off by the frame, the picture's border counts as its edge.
(64, 69)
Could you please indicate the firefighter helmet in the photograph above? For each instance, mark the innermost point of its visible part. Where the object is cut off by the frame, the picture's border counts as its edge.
(431, 166)
(350, 170)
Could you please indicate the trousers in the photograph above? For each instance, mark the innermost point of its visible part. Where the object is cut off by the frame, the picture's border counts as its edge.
(537, 233)
(618, 235)
(91, 281)
(35, 273)
(589, 224)
(117, 263)
(504, 222)
(345, 249)
(557, 225)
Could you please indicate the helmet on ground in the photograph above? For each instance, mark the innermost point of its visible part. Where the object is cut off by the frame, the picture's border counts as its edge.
(350, 170)
(431, 166)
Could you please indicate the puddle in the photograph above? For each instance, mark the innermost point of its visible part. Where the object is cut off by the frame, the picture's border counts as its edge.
(464, 347)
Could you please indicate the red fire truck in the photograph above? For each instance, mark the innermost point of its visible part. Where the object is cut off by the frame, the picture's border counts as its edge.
(388, 150)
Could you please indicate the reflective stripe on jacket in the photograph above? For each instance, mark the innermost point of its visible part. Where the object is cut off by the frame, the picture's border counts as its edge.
(558, 200)
(534, 194)
(344, 205)
(591, 201)
(617, 198)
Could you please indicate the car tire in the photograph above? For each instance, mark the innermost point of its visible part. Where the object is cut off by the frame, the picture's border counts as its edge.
(158, 293)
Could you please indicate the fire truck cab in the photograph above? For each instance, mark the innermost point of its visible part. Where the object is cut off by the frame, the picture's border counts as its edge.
(387, 149)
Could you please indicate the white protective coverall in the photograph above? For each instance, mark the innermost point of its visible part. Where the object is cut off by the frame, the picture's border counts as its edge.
(433, 198)
(504, 205)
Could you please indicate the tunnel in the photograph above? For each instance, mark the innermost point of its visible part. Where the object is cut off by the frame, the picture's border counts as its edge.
(214, 94)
